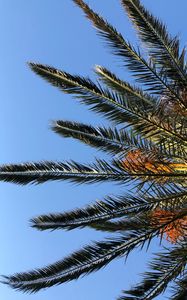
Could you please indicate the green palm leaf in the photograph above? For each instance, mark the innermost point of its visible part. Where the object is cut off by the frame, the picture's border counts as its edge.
(108, 139)
(72, 171)
(85, 261)
(110, 208)
(179, 289)
(146, 73)
(100, 171)
(163, 48)
(149, 151)
(134, 94)
(113, 105)
(132, 221)
(166, 267)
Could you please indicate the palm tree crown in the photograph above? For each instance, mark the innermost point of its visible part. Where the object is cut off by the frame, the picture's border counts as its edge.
(147, 143)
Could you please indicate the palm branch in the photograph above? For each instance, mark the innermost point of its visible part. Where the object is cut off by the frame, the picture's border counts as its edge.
(179, 290)
(165, 266)
(162, 47)
(147, 144)
(111, 208)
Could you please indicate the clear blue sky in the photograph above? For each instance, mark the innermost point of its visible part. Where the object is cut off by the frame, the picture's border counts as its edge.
(56, 33)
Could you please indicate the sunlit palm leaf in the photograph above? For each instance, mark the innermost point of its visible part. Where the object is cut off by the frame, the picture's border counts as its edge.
(106, 139)
(163, 48)
(135, 94)
(148, 148)
(143, 71)
(113, 105)
(165, 268)
(100, 171)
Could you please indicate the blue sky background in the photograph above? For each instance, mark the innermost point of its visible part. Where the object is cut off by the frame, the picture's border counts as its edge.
(56, 33)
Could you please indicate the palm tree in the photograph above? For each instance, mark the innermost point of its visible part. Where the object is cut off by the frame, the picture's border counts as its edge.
(148, 148)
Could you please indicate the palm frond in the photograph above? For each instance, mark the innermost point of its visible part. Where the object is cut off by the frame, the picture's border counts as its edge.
(172, 149)
(85, 261)
(101, 100)
(45, 171)
(135, 94)
(143, 71)
(163, 48)
(100, 171)
(115, 141)
(106, 139)
(156, 170)
(113, 105)
(112, 207)
(148, 219)
(165, 267)
(120, 226)
(179, 289)
(148, 151)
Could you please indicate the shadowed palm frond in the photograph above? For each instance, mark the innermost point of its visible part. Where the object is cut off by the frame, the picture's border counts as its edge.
(148, 145)
(110, 208)
(169, 225)
(165, 267)
(151, 169)
(46, 171)
(113, 105)
(135, 94)
(106, 139)
(179, 289)
(109, 139)
(173, 149)
(89, 259)
(144, 72)
(85, 261)
(163, 48)
(100, 171)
